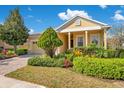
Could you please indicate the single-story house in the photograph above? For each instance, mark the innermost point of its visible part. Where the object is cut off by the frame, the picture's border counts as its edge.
(77, 31)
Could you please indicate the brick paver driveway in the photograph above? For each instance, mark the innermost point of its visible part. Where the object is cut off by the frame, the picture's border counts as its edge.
(10, 65)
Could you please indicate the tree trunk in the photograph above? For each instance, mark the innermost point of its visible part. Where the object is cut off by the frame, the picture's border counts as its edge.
(15, 48)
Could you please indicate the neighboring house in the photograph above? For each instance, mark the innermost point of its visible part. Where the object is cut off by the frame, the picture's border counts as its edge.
(78, 31)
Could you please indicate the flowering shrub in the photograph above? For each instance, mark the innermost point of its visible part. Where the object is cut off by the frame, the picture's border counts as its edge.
(77, 52)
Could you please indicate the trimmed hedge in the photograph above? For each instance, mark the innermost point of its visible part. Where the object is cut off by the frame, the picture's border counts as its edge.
(45, 61)
(100, 67)
(21, 51)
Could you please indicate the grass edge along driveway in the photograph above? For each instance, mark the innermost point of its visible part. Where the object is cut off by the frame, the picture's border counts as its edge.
(54, 77)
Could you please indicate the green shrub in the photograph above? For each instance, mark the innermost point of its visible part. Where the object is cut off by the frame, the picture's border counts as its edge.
(34, 61)
(21, 51)
(69, 51)
(61, 55)
(11, 49)
(59, 62)
(10, 52)
(45, 61)
(100, 67)
(2, 56)
(1, 49)
(109, 53)
(121, 55)
(117, 53)
(92, 50)
(100, 53)
(70, 57)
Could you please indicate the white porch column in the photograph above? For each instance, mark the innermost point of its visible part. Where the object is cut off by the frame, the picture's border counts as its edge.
(86, 38)
(105, 39)
(57, 51)
(69, 38)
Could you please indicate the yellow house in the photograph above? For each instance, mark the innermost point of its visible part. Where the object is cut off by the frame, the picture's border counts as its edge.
(78, 31)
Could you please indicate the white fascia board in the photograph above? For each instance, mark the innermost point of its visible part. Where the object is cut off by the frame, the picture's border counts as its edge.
(81, 29)
(65, 23)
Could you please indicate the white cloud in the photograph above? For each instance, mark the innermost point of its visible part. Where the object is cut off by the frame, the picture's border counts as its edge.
(71, 13)
(118, 12)
(31, 31)
(103, 6)
(29, 9)
(39, 21)
(118, 16)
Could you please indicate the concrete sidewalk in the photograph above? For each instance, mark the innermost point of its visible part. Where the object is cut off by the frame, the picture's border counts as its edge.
(6, 82)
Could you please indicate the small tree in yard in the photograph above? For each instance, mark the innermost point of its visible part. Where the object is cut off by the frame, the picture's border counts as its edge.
(49, 41)
(14, 32)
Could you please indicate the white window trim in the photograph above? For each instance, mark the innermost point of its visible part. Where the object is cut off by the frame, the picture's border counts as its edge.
(98, 35)
(77, 40)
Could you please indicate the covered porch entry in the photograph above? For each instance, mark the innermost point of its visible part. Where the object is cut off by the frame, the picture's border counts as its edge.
(72, 39)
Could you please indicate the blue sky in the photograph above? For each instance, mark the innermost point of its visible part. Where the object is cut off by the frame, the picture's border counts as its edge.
(37, 18)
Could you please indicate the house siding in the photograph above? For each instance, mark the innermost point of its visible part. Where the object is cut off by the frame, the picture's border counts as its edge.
(84, 23)
(64, 39)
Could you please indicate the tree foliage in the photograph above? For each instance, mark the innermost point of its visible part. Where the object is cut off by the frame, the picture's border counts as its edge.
(14, 32)
(117, 35)
(49, 41)
(1, 29)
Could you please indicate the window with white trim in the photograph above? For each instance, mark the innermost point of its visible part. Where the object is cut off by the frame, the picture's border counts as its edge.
(95, 39)
(80, 41)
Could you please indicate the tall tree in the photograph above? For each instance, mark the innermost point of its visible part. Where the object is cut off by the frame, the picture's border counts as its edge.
(49, 41)
(117, 32)
(15, 32)
(1, 28)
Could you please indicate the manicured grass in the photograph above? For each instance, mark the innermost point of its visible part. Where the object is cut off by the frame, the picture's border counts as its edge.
(59, 78)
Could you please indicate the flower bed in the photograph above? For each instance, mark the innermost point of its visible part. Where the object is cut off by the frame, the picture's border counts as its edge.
(100, 67)
(9, 53)
(95, 51)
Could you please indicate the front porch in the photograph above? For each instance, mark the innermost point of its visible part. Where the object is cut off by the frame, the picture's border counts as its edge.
(82, 38)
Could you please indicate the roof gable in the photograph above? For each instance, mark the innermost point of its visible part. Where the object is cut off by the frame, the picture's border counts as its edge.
(73, 19)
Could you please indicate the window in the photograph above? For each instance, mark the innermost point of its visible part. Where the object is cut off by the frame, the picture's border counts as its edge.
(78, 22)
(95, 39)
(80, 41)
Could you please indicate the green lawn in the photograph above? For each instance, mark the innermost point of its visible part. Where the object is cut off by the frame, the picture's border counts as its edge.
(54, 77)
